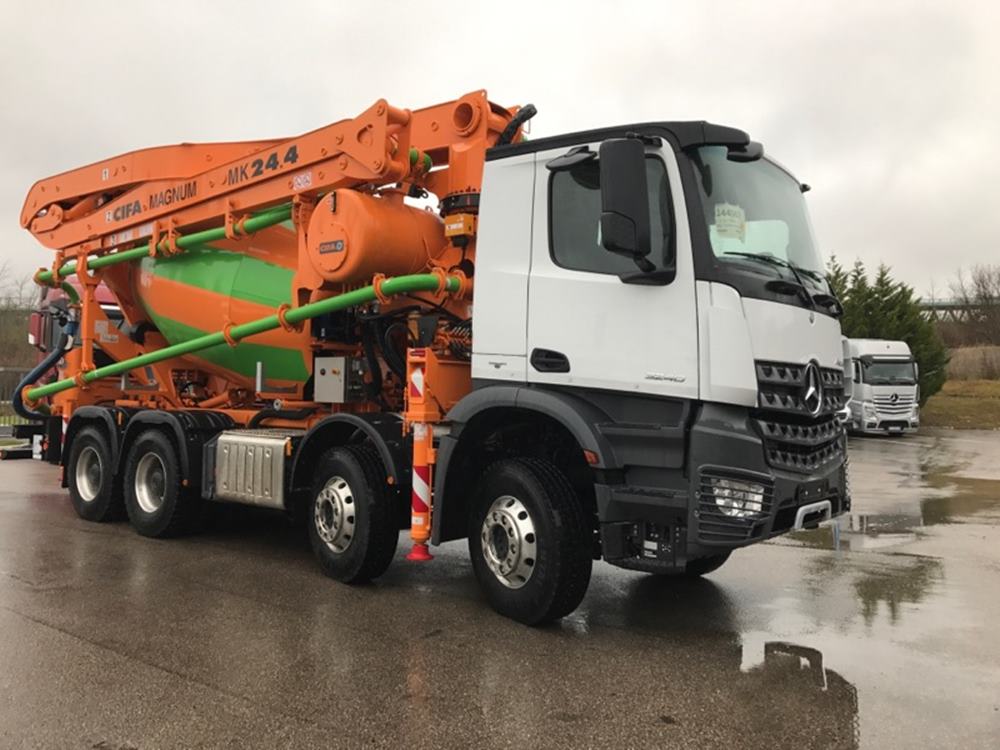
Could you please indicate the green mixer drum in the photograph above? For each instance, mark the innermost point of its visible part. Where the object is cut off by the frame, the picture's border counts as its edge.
(202, 289)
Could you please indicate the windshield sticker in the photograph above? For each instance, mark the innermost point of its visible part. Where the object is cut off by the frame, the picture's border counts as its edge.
(730, 221)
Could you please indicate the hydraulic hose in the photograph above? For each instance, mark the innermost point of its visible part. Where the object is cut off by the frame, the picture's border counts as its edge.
(369, 331)
(524, 114)
(66, 337)
(264, 414)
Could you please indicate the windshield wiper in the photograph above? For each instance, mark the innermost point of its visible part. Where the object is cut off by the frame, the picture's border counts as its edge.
(796, 272)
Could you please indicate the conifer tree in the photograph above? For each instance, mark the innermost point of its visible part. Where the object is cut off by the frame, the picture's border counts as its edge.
(889, 309)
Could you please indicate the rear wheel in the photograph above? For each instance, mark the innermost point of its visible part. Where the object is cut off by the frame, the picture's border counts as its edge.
(352, 527)
(90, 475)
(158, 504)
(529, 541)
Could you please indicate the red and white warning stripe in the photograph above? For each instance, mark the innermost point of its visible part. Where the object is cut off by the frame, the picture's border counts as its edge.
(417, 385)
(421, 496)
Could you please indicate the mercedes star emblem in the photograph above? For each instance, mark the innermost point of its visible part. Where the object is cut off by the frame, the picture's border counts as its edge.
(812, 390)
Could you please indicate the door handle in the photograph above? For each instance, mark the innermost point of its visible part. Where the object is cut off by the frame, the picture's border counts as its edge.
(546, 360)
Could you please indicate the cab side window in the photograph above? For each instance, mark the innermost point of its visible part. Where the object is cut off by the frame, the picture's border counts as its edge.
(575, 213)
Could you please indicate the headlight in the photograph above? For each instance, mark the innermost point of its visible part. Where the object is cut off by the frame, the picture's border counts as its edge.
(737, 498)
(869, 408)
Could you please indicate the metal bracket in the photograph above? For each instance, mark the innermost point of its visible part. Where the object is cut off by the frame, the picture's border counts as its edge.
(823, 507)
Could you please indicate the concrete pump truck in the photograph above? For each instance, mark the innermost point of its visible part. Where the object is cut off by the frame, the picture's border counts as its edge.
(648, 371)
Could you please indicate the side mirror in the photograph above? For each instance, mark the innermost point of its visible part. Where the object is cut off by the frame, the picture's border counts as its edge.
(625, 200)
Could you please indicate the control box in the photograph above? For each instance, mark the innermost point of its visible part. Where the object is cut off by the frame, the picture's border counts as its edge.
(338, 380)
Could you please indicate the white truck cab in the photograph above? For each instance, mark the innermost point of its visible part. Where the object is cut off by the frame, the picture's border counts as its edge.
(881, 386)
(702, 376)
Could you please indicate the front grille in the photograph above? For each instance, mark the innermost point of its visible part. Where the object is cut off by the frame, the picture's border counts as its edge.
(884, 405)
(786, 448)
(794, 439)
(716, 526)
(780, 387)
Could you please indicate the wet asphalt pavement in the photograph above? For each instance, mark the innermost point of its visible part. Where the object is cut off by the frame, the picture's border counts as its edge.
(882, 633)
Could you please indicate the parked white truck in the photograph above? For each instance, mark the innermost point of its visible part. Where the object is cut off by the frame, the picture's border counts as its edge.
(880, 379)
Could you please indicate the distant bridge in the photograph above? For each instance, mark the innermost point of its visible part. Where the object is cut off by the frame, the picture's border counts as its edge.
(952, 310)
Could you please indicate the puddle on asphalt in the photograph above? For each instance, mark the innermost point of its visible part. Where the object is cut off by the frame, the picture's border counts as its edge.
(879, 584)
(903, 489)
(750, 679)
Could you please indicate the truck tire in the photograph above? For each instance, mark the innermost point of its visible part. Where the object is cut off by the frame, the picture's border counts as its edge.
(704, 565)
(529, 541)
(90, 475)
(157, 503)
(352, 527)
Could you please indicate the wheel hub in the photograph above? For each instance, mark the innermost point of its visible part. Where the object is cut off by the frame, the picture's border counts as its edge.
(150, 482)
(333, 514)
(509, 542)
(89, 474)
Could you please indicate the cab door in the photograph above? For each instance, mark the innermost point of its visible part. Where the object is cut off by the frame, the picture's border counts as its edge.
(586, 327)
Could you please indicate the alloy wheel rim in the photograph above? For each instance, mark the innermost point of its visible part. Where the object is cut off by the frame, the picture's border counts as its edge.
(509, 541)
(89, 474)
(150, 483)
(334, 514)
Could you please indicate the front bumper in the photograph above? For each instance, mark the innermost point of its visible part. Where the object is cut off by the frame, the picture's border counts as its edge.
(881, 425)
(658, 528)
(724, 443)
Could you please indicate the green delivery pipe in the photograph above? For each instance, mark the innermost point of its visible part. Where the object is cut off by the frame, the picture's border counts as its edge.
(70, 292)
(264, 219)
(421, 282)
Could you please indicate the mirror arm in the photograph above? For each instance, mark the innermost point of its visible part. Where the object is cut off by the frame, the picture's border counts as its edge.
(657, 277)
(646, 140)
(644, 264)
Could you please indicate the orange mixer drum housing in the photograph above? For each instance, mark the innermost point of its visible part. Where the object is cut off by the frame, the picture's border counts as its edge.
(353, 236)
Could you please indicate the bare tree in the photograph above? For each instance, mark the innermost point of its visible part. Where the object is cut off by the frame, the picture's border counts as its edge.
(18, 296)
(16, 292)
(979, 293)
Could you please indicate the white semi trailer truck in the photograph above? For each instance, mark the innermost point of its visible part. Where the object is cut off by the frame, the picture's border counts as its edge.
(881, 385)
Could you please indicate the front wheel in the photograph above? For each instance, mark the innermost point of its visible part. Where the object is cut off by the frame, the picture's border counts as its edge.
(529, 541)
(353, 530)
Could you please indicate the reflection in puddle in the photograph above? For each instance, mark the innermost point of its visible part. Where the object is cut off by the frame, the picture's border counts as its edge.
(860, 532)
(877, 582)
(976, 500)
(896, 585)
(705, 680)
(902, 488)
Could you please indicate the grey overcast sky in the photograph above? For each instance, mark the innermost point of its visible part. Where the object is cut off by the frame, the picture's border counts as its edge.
(890, 110)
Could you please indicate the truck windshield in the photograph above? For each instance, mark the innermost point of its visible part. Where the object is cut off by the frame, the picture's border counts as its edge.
(884, 372)
(754, 212)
